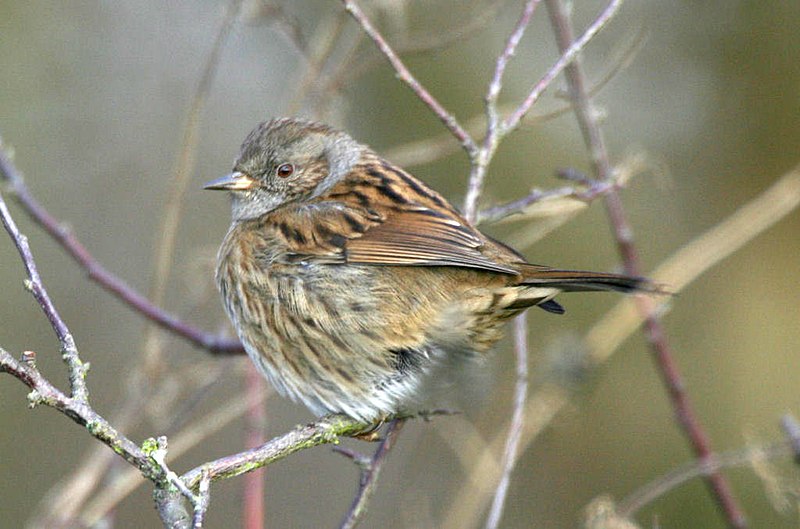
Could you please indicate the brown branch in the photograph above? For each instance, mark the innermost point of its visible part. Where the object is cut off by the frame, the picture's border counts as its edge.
(654, 331)
(406, 77)
(100, 275)
(370, 470)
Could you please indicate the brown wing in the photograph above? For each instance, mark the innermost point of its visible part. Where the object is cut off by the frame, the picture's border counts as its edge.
(382, 215)
(421, 237)
(335, 232)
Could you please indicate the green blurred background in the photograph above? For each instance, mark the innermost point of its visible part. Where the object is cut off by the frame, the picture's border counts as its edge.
(93, 102)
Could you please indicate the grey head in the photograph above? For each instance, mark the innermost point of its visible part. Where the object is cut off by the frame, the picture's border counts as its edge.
(286, 160)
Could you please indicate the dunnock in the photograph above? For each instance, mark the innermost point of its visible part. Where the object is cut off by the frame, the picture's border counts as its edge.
(352, 284)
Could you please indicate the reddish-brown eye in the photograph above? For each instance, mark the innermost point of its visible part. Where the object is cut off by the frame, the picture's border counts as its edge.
(285, 170)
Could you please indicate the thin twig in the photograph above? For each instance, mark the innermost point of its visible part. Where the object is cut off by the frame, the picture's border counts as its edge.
(369, 475)
(494, 131)
(353, 67)
(428, 41)
(203, 499)
(515, 429)
(97, 273)
(44, 393)
(518, 206)
(428, 150)
(201, 429)
(657, 488)
(69, 352)
(325, 431)
(568, 55)
(605, 337)
(687, 417)
(406, 77)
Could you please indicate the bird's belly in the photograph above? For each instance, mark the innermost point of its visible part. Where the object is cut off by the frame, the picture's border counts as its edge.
(357, 339)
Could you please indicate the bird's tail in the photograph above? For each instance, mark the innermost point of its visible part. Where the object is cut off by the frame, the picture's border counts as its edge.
(581, 281)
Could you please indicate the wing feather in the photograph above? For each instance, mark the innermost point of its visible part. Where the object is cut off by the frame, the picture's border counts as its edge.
(337, 232)
(415, 238)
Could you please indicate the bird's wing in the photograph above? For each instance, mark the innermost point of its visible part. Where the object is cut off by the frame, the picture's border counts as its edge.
(422, 237)
(414, 235)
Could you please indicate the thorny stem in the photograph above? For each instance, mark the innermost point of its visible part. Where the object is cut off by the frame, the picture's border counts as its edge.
(687, 418)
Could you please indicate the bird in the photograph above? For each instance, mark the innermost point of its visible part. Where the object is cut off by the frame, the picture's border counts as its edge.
(355, 287)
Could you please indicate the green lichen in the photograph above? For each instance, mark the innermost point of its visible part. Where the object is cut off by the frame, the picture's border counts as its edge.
(149, 446)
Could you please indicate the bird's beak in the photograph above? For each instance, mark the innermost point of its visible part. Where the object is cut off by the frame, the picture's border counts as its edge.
(235, 181)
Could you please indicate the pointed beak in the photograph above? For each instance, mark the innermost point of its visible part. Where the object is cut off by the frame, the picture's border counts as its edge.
(235, 181)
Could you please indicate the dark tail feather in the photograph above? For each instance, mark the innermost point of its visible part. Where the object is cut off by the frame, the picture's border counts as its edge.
(580, 281)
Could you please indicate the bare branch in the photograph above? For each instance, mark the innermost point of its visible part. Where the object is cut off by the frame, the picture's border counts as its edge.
(43, 392)
(657, 488)
(97, 273)
(569, 54)
(605, 337)
(369, 475)
(515, 429)
(494, 132)
(69, 352)
(405, 75)
(687, 417)
(325, 431)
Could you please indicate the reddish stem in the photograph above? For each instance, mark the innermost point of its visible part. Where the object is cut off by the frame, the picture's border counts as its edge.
(665, 361)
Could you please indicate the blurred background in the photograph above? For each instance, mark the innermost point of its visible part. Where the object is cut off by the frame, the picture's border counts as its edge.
(94, 102)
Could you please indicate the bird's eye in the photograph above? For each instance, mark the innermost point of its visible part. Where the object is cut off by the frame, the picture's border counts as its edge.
(285, 170)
